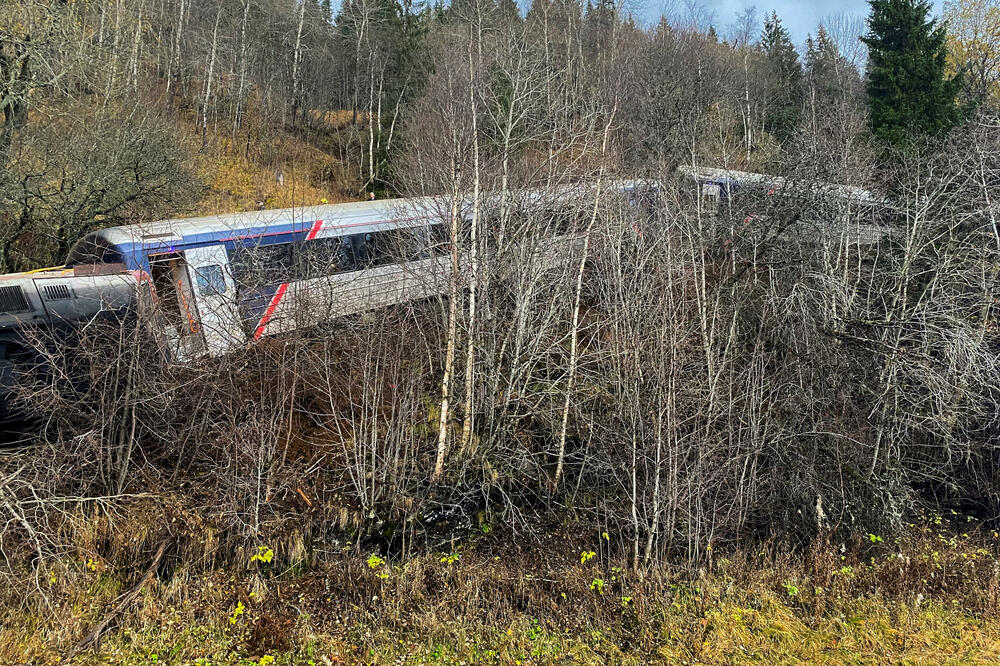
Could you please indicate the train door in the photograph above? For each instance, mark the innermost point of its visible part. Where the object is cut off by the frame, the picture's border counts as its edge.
(711, 195)
(216, 298)
(177, 312)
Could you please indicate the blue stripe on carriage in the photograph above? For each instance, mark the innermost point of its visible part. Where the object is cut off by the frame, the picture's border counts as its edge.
(137, 254)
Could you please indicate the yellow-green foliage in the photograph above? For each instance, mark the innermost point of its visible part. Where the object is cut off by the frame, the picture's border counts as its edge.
(285, 171)
(929, 597)
(770, 629)
(265, 165)
(974, 41)
(759, 628)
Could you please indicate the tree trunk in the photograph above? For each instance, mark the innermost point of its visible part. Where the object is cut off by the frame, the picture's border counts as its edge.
(241, 91)
(297, 64)
(470, 350)
(449, 363)
(575, 328)
(208, 80)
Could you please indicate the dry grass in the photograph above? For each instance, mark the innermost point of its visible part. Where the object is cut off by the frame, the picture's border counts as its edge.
(268, 166)
(237, 184)
(338, 119)
(927, 598)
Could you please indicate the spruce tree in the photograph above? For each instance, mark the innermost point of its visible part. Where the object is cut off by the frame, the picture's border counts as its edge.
(785, 86)
(829, 76)
(509, 12)
(909, 93)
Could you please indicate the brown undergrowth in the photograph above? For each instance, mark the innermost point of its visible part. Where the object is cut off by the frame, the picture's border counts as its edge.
(929, 596)
(269, 167)
(267, 163)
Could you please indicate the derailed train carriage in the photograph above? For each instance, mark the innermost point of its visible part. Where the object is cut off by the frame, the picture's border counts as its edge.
(223, 281)
(217, 283)
(714, 190)
(822, 212)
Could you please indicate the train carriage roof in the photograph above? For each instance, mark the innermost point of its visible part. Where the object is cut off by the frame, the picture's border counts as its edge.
(852, 193)
(359, 216)
(400, 212)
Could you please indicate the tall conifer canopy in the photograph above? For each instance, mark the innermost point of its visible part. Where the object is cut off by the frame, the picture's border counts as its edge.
(909, 92)
(785, 86)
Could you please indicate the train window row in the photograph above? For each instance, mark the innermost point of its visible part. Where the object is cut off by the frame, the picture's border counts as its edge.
(258, 265)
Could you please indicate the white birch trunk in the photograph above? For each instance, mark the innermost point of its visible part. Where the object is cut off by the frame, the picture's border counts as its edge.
(297, 62)
(240, 93)
(449, 363)
(470, 350)
(208, 79)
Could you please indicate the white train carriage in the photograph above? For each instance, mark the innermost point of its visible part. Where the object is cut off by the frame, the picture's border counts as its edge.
(221, 282)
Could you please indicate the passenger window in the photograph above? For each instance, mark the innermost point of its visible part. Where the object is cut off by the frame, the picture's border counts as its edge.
(411, 244)
(418, 243)
(325, 256)
(257, 266)
(440, 239)
(363, 246)
(210, 280)
(397, 245)
(374, 250)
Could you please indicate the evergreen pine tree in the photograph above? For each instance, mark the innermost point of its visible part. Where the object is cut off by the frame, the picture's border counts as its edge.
(828, 74)
(439, 11)
(599, 20)
(909, 93)
(536, 9)
(785, 87)
(835, 110)
(509, 12)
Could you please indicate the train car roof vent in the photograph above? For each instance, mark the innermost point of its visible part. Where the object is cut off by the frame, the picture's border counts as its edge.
(12, 299)
(56, 292)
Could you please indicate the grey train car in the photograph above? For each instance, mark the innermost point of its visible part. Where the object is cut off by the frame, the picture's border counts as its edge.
(218, 283)
(716, 188)
(51, 303)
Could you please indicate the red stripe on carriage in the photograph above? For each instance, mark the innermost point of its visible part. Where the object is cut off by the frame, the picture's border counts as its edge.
(317, 225)
(273, 305)
(270, 311)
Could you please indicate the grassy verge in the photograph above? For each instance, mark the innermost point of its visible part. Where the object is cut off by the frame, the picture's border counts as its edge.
(927, 598)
